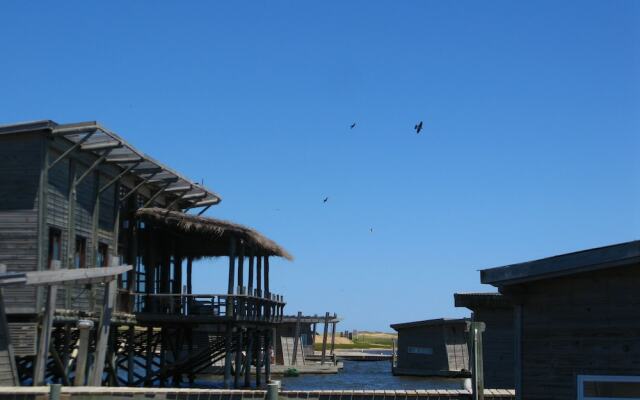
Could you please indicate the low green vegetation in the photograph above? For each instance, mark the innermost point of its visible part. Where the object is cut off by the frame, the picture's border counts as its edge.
(364, 340)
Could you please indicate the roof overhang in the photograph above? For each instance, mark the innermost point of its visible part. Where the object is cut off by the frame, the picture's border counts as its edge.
(430, 322)
(93, 138)
(616, 255)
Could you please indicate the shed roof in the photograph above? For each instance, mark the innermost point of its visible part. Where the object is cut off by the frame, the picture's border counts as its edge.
(93, 138)
(200, 236)
(430, 322)
(615, 255)
(472, 300)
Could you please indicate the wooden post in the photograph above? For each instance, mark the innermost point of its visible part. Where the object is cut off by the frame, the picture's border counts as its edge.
(474, 337)
(333, 333)
(266, 277)
(149, 357)
(232, 264)
(44, 340)
(189, 283)
(248, 358)
(84, 327)
(238, 370)
(102, 341)
(240, 266)
(259, 358)
(296, 340)
(131, 347)
(250, 283)
(324, 337)
(267, 356)
(315, 332)
(227, 355)
(259, 275)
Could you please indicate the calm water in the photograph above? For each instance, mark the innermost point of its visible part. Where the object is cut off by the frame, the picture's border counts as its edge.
(359, 375)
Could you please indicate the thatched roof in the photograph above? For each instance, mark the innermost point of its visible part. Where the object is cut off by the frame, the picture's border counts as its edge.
(199, 236)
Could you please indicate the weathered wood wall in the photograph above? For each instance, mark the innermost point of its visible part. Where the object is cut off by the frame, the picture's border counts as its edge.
(448, 345)
(497, 345)
(20, 162)
(587, 323)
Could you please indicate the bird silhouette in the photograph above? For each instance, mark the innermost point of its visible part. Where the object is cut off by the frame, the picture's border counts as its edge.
(325, 200)
(418, 127)
(371, 230)
(352, 125)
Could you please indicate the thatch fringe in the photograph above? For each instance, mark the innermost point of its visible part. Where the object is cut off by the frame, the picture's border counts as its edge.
(212, 230)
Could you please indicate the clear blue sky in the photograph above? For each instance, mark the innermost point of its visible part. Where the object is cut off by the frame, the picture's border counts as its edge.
(530, 145)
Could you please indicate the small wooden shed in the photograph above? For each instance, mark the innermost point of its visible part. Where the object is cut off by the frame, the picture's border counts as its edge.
(436, 347)
(496, 311)
(577, 323)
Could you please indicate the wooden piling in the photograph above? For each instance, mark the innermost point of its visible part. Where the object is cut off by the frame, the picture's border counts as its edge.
(333, 333)
(296, 339)
(102, 340)
(44, 341)
(324, 337)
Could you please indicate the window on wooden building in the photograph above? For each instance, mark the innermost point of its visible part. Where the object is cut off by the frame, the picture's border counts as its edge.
(608, 387)
(103, 255)
(55, 245)
(80, 256)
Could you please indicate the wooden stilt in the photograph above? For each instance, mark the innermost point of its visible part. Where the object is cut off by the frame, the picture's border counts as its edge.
(149, 357)
(238, 363)
(227, 356)
(296, 339)
(45, 331)
(333, 333)
(324, 338)
(248, 359)
(267, 356)
(259, 358)
(131, 337)
(84, 326)
(103, 332)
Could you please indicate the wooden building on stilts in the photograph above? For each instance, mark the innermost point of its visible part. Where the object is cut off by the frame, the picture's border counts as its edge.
(78, 197)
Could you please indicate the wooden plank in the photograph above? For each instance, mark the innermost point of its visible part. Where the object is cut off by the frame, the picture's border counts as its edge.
(75, 276)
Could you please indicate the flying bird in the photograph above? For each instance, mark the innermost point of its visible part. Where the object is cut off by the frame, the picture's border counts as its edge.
(371, 230)
(418, 127)
(352, 125)
(325, 200)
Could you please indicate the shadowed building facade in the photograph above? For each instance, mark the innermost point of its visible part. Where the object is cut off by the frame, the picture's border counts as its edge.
(576, 323)
(496, 311)
(436, 347)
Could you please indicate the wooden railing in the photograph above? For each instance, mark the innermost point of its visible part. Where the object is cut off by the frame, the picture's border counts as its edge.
(253, 307)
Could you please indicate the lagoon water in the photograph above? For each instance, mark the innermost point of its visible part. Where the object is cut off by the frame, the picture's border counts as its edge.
(370, 375)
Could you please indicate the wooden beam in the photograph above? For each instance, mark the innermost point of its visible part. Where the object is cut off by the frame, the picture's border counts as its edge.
(71, 149)
(267, 292)
(100, 146)
(240, 283)
(155, 195)
(118, 177)
(102, 341)
(93, 166)
(227, 355)
(75, 276)
(135, 188)
(44, 340)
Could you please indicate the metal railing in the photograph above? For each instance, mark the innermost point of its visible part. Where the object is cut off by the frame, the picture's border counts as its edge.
(251, 307)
